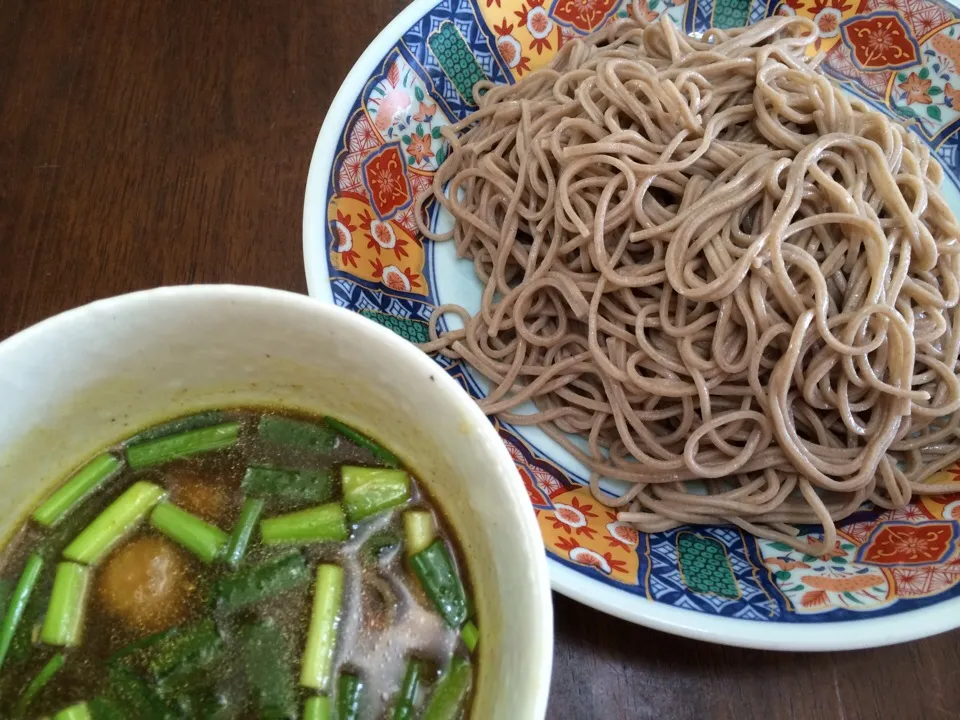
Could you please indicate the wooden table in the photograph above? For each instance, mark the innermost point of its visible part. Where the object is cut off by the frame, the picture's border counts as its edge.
(167, 141)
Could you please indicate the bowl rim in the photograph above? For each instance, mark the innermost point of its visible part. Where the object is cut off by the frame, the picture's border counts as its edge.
(809, 636)
(541, 625)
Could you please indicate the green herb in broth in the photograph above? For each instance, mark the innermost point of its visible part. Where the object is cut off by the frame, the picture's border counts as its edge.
(236, 625)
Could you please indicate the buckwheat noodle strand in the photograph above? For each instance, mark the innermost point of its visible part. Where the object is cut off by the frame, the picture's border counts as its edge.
(735, 284)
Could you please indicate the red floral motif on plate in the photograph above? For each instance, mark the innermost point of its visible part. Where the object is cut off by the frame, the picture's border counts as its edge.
(585, 15)
(387, 181)
(906, 544)
(533, 492)
(880, 41)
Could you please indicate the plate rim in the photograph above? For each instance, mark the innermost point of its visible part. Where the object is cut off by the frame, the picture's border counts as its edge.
(863, 633)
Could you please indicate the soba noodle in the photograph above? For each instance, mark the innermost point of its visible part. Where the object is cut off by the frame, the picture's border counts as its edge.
(704, 259)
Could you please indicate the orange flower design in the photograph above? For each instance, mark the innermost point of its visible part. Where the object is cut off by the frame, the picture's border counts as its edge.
(814, 598)
(345, 219)
(916, 89)
(837, 551)
(420, 146)
(644, 12)
(615, 565)
(503, 29)
(348, 255)
(425, 113)
(827, 23)
(574, 518)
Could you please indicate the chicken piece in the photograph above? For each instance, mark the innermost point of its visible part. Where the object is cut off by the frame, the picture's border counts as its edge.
(146, 583)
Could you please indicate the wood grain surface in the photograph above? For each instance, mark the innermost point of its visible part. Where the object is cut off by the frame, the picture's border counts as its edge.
(153, 142)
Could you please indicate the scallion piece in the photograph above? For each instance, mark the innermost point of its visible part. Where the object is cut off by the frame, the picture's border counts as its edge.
(267, 663)
(18, 603)
(193, 442)
(253, 584)
(418, 530)
(109, 527)
(407, 698)
(368, 491)
(178, 426)
(80, 711)
(105, 709)
(470, 634)
(180, 657)
(78, 488)
(317, 708)
(137, 698)
(204, 540)
(361, 440)
(317, 666)
(318, 524)
(451, 691)
(243, 531)
(306, 435)
(349, 694)
(63, 623)
(39, 682)
(437, 574)
(302, 486)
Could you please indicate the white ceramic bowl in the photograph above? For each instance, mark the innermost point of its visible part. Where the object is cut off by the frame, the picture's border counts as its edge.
(89, 377)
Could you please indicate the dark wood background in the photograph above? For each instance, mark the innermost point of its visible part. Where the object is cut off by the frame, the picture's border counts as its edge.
(153, 142)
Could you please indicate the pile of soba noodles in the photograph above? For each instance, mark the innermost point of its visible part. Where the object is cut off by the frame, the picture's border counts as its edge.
(737, 285)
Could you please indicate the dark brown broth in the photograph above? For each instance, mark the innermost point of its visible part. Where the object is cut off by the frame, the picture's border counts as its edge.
(371, 641)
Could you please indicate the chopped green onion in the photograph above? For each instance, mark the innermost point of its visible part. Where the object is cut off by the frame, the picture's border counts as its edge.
(78, 488)
(303, 486)
(204, 540)
(318, 524)
(110, 526)
(64, 621)
(437, 574)
(18, 603)
(39, 682)
(80, 711)
(380, 544)
(192, 442)
(361, 440)
(266, 661)
(317, 708)
(470, 635)
(243, 531)
(178, 658)
(407, 698)
(419, 530)
(349, 694)
(140, 645)
(178, 426)
(306, 435)
(253, 584)
(134, 696)
(451, 691)
(367, 491)
(105, 709)
(317, 666)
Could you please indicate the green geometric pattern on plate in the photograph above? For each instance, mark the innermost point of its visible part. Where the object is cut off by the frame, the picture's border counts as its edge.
(730, 13)
(454, 56)
(413, 330)
(704, 566)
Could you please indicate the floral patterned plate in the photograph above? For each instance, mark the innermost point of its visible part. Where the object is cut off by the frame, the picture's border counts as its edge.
(892, 576)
